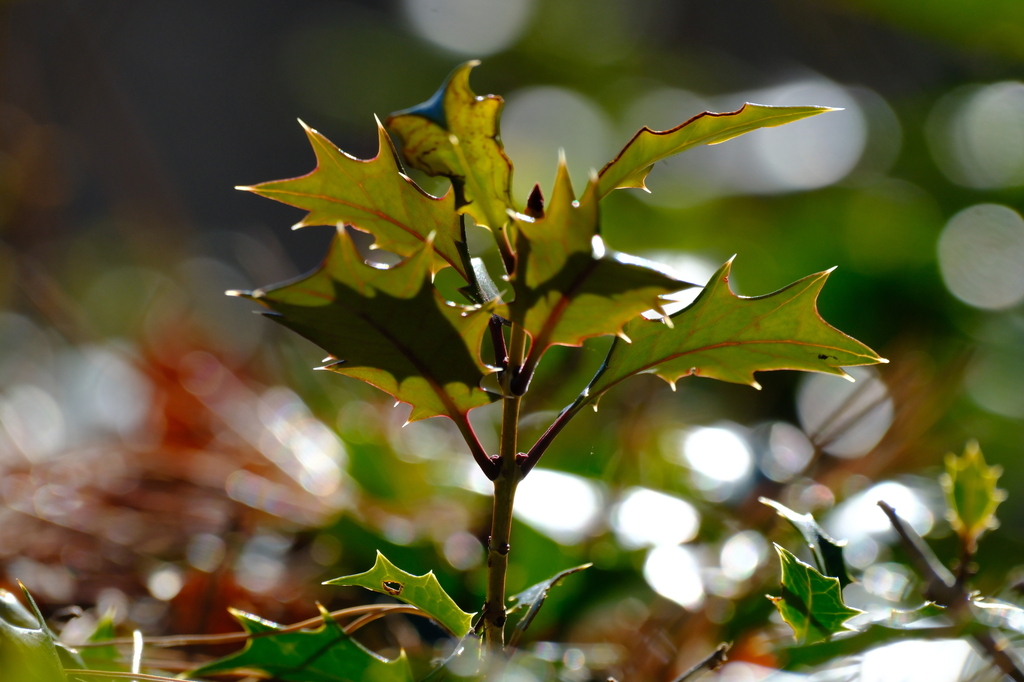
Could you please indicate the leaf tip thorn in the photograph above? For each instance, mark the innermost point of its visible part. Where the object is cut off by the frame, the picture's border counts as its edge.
(882, 361)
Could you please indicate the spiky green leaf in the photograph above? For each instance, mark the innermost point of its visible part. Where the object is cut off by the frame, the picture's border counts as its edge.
(827, 553)
(634, 162)
(565, 290)
(728, 337)
(325, 654)
(28, 652)
(455, 134)
(421, 591)
(971, 494)
(389, 328)
(372, 196)
(811, 603)
(532, 598)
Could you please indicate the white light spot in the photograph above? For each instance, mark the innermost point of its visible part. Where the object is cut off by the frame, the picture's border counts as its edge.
(165, 582)
(980, 254)
(205, 552)
(33, 420)
(845, 419)
(463, 550)
(719, 454)
(742, 554)
(914, 660)
(788, 452)
(471, 27)
(299, 444)
(888, 581)
(647, 517)
(673, 572)
(861, 516)
(976, 135)
(537, 121)
(562, 506)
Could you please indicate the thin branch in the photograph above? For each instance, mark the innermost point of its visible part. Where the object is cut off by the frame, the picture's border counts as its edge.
(370, 617)
(231, 637)
(540, 447)
(944, 590)
(127, 676)
(487, 464)
(713, 662)
(496, 327)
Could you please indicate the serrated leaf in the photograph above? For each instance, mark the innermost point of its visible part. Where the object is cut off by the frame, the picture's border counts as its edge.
(372, 196)
(728, 337)
(971, 494)
(389, 328)
(811, 603)
(634, 162)
(325, 654)
(565, 292)
(69, 658)
(27, 654)
(532, 598)
(421, 591)
(455, 134)
(827, 552)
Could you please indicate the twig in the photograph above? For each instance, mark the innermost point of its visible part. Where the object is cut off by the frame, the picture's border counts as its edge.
(713, 662)
(128, 676)
(944, 590)
(230, 637)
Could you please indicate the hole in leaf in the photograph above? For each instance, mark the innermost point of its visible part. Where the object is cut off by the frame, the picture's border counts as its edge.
(392, 587)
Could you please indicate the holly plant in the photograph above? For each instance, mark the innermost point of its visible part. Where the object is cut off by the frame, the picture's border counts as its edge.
(558, 285)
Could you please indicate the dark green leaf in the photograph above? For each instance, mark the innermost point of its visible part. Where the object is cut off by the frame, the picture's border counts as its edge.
(27, 654)
(565, 291)
(811, 603)
(455, 134)
(372, 196)
(971, 494)
(326, 654)
(728, 337)
(389, 328)
(532, 598)
(827, 553)
(422, 591)
(634, 162)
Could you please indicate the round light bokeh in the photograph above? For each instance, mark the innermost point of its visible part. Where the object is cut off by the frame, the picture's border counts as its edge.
(845, 419)
(976, 135)
(674, 572)
(647, 517)
(562, 506)
(981, 250)
(538, 121)
(719, 459)
(471, 27)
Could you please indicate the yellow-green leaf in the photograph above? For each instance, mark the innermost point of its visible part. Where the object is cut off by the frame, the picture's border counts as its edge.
(455, 134)
(728, 337)
(567, 287)
(422, 591)
(971, 494)
(325, 654)
(389, 328)
(811, 603)
(634, 162)
(28, 652)
(372, 196)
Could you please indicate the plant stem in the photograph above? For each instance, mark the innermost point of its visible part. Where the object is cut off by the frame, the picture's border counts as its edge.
(504, 496)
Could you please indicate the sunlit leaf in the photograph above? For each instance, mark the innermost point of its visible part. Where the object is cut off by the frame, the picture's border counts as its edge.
(728, 337)
(102, 657)
(811, 603)
(372, 196)
(912, 619)
(325, 654)
(27, 654)
(971, 494)
(827, 553)
(998, 614)
(422, 591)
(634, 162)
(565, 291)
(389, 328)
(455, 134)
(69, 657)
(532, 598)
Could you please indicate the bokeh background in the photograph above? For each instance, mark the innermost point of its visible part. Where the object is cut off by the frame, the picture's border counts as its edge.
(165, 453)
